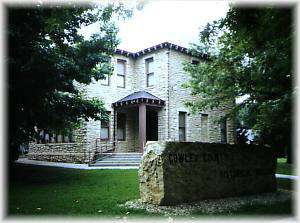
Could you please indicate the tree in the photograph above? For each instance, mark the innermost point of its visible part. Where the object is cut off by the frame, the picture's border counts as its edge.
(47, 59)
(250, 56)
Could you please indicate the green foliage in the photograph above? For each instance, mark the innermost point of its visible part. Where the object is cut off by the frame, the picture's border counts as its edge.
(284, 168)
(250, 56)
(48, 59)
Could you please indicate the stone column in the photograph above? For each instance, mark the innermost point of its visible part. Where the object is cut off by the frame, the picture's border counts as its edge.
(142, 126)
(115, 130)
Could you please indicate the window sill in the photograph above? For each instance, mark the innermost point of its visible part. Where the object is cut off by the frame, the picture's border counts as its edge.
(150, 87)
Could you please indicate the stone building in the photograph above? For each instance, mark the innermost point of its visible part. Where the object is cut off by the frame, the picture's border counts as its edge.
(146, 102)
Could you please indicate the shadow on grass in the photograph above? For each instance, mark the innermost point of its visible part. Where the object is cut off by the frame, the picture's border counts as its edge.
(36, 190)
(53, 191)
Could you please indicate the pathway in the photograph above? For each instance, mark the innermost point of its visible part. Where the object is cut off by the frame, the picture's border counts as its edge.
(87, 167)
(71, 165)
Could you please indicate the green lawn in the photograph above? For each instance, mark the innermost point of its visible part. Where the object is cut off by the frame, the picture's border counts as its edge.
(285, 168)
(59, 191)
(36, 190)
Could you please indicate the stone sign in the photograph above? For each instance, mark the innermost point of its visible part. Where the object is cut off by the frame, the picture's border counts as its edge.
(178, 172)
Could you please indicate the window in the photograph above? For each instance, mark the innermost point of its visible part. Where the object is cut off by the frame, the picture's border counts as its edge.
(121, 126)
(149, 72)
(195, 62)
(182, 128)
(104, 132)
(204, 127)
(121, 71)
(106, 80)
(223, 128)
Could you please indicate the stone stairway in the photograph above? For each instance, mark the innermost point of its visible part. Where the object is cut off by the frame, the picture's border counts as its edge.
(119, 159)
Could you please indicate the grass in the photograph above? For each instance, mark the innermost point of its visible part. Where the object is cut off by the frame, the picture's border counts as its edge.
(285, 168)
(280, 208)
(59, 191)
(36, 190)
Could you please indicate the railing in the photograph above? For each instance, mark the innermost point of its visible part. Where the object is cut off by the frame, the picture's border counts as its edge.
(103, 148)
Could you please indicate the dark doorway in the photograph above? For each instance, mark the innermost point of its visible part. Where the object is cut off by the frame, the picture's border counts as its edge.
(151, 126)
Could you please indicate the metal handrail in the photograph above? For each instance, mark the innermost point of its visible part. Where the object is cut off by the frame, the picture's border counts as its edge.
(101, 148)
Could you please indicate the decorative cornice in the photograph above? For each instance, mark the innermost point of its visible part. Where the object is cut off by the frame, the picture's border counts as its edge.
(165, 45)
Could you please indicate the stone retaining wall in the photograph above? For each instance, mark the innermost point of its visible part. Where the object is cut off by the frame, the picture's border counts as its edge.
(58, 152)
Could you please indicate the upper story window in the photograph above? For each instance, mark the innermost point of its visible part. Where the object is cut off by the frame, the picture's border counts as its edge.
(106, 80)
(121, 73)
(149, 71)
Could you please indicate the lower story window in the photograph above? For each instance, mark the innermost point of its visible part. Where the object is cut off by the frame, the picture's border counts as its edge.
(204, 128)
(223, 129)
(182, 126)
(104, 132)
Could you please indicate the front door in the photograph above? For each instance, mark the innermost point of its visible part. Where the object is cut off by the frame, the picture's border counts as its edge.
(151, 126)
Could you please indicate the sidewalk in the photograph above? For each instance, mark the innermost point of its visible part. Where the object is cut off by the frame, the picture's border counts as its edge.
(70, 165)
(291, 177)
(87, 167)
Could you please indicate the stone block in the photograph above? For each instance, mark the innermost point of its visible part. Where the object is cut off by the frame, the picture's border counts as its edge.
(180, 172)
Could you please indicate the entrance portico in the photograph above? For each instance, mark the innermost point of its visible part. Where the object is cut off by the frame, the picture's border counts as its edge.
(146, 104)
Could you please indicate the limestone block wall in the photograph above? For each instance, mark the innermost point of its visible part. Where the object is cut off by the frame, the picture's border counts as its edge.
(177, 99)
(162, 124)
(58, 152)
(110, 94)
(168, 77)
(160, 69)
(160, 88)
(132, 131)
(62, 152)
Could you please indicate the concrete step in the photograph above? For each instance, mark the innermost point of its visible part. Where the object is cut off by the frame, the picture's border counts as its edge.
(119, 159)
(125, 154)
(121, 156)
(119, 163)
(124, 157)
(115, 164)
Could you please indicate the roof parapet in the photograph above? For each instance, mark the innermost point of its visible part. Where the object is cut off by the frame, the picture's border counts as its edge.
(161, 46)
